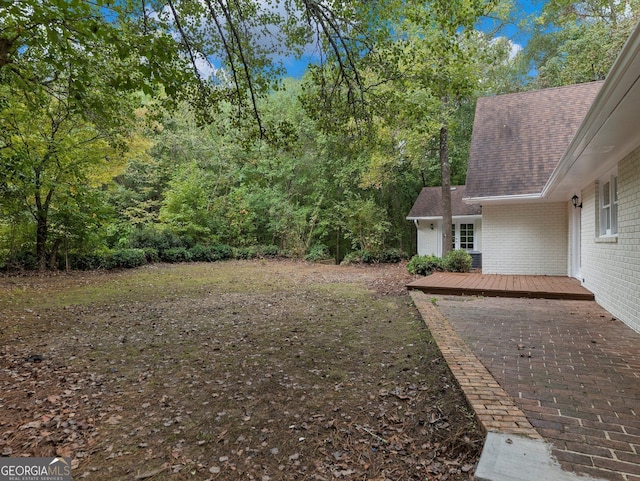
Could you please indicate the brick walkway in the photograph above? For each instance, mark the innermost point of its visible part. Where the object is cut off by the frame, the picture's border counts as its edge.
(568, 366)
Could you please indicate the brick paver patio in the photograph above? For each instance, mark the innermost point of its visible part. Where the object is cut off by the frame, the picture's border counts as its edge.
(568, 366)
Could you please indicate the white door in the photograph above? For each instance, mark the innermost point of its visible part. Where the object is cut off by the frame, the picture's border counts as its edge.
(464, 236)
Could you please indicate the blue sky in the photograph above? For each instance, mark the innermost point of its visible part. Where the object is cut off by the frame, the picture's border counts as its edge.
(296, 68)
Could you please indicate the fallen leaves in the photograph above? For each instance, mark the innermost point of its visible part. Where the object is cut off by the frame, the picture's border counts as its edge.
(293, 371)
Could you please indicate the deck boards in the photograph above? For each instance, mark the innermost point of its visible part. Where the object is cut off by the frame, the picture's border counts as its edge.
(476, 284)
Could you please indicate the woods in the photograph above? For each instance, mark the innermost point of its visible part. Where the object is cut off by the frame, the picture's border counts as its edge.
(172, 128)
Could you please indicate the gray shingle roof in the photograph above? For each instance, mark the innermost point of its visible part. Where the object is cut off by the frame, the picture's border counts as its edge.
(429, 203)
(518, 139)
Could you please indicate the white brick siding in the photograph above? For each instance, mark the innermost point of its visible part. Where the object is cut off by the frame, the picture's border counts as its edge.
(525, 239)
(612, 270)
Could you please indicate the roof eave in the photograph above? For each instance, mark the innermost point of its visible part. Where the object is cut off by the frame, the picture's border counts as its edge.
(439, 217)
(503, 199)
(619, 81)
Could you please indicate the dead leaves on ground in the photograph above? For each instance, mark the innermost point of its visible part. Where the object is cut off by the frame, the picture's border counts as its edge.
(310, 380)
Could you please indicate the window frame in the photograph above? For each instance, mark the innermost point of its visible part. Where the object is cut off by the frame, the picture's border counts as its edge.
(458, 232)
(608, 195)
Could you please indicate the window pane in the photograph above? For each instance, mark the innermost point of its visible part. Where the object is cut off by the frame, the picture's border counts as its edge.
(606, 194)
(614, 206)
(466, 236)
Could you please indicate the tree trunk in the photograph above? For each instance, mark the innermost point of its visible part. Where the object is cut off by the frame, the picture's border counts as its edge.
(445, 173)
(42, 232)
(53, 255)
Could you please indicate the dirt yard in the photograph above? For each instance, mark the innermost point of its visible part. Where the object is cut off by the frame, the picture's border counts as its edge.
(265, 370)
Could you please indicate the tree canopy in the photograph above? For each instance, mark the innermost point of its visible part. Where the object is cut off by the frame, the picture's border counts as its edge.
(169, 125)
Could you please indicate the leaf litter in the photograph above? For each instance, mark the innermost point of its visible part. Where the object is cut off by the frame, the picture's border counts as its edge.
(258, 370)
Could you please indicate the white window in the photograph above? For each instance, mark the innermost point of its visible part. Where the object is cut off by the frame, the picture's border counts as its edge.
(609, 205)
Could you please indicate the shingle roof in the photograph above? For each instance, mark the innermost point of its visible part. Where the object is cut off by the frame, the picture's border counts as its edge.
(518, 139)
(429, 203)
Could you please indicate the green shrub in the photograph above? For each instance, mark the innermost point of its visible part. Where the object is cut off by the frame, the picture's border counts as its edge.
(245, 253)
(210, 253)
(458, 261)
(363, 256)
(125, 259)
(82, 262)
(317, 253)
(156, 237)
(269, 251)
(22, 260)
(392, 256)
(175, 254)
(425, 265)
(151, 254)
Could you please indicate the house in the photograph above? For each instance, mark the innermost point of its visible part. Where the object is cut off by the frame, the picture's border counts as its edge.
(557, 172)
(426, 214)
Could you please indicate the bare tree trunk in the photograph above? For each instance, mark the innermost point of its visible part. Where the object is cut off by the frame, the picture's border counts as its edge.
(42, 232)
(53, 255)
(445, 173)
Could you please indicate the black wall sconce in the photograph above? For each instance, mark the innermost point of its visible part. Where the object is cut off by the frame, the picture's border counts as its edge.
(574, 201)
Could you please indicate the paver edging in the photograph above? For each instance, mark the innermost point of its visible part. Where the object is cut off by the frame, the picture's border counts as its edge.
(493, 407)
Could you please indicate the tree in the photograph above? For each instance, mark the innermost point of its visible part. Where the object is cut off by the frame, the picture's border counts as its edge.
(575, 42)
(50, 157)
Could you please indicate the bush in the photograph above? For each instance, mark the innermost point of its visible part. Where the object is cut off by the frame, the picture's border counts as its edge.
(175, 254)
(151, 254)
(269, 251)
(81, 262)
(125, 259)
(245, 253)
(363, 256)
(317, 253)
(392, 256)
(210, 253)
(155, 237)
(425, 265)
(458, 261)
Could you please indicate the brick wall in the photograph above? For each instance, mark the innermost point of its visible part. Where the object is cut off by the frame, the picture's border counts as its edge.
(611, 270)
(525, 239)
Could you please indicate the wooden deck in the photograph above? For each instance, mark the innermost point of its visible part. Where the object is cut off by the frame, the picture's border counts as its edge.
(495, 285)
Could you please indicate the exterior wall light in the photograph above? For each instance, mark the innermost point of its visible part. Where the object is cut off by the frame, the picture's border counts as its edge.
(574, 201)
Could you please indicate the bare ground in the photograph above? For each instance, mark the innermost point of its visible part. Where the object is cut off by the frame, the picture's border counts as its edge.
(237, 370)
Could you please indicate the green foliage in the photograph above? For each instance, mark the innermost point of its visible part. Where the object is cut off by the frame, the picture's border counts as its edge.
(392, 256)
(122, 172)
(125, 259)
(155, 237)
(458, 260)
(362, 256)
(256, 251)
(386, 256)
(175, 254)
(426, 265)
(318, 252)
(82, 261)
(575, 42)
(365, 224)
(210, 253)
(151, 255)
